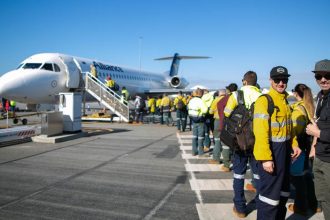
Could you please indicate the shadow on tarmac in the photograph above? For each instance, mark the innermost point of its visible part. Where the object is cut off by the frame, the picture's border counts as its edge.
(97, 131)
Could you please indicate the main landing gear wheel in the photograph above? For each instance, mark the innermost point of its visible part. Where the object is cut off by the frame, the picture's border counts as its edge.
(24, 121)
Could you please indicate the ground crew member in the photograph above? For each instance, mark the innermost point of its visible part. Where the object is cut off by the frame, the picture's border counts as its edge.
(152, 108)
(319, 128)
(207, 98)
(216, 135)
(275, 145)
(242, 158)
(180, 104)
(13, 106)
(196, 110)
(166, 109)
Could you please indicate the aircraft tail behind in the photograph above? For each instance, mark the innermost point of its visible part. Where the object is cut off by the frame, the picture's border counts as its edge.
(176, 62)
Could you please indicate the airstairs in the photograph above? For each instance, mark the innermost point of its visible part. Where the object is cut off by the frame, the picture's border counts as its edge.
(107, 97)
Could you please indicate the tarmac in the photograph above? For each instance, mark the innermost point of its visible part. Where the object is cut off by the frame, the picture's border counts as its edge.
(116, 171)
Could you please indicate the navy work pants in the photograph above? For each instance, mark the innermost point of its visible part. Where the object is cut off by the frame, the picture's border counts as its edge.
(240, 162)
(181, 119)
(274, 188)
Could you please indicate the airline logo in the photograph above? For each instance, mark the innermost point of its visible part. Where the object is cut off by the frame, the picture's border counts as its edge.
(107, 67)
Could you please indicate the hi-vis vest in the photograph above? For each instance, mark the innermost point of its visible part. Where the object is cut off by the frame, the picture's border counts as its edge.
(196, 107)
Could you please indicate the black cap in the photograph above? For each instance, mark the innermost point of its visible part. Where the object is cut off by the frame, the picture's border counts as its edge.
(279, 72)
(232, 87)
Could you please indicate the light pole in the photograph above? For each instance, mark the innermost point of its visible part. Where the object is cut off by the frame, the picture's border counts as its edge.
(140, 50)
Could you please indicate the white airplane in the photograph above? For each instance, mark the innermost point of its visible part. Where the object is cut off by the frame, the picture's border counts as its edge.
(40, 78)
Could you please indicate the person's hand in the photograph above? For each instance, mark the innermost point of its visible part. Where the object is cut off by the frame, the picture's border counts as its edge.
(313, 130)
(268, 166)
(296, 152)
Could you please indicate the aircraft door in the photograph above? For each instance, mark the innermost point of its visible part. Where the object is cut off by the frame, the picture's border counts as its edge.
(73, 73)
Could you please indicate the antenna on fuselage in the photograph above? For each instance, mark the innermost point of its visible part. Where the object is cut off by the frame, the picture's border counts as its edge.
(176, 62)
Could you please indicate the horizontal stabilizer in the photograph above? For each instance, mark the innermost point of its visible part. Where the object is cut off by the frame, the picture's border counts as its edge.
(183, 57)
(176, 61)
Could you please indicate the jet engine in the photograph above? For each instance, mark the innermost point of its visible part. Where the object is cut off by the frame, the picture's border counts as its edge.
(177, 82)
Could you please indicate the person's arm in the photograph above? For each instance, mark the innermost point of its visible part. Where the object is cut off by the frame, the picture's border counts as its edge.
(261, 130)
(312, 152)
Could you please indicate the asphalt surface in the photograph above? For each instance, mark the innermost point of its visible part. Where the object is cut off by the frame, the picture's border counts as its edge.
(118, 171)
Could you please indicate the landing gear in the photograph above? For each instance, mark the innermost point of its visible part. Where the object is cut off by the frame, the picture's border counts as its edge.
(24, 121)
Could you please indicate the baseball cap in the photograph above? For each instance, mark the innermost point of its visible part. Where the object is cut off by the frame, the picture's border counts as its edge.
(232, 87)
(279, 72)
(322, 66)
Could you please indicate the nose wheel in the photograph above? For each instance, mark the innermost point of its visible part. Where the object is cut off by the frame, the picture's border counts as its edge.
(24, 121)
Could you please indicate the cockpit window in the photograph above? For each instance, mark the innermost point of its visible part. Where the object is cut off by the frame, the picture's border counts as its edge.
(57, 68)
(47, 66)
(31, 65)
(20, 66)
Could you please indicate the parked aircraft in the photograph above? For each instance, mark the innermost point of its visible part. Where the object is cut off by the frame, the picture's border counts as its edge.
(41, 77)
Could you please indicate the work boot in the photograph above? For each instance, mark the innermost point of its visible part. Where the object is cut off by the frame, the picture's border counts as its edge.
(206, 149)
(238, 214)
(250, 187)
(294, 209)
(224, 169)
(213, 161)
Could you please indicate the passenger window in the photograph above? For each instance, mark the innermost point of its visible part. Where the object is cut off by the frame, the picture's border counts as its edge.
(57, 68)
(47, 66)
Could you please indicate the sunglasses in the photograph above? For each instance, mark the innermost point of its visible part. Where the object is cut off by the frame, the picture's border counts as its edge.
(278, 80)
(319, 76)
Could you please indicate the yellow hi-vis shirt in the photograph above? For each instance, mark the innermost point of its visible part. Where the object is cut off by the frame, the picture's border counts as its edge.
(158, 102)
(208, 99)
(111, 83)
(12, 103)
(214, 107)
(166, 101)
(300, 118)
(152, 105)
(280, 122)
(251, 94)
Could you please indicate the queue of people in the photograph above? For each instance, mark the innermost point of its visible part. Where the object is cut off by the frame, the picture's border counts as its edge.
(291, 143)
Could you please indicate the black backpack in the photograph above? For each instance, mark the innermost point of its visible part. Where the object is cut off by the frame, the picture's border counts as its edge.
(237, 132)
(180, 105)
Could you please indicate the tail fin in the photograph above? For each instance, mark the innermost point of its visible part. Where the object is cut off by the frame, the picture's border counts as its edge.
(176, 62)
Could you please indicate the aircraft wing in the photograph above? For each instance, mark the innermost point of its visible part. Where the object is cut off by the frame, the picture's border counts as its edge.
(167, 91)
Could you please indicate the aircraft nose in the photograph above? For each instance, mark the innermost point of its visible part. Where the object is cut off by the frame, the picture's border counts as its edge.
(10, 86)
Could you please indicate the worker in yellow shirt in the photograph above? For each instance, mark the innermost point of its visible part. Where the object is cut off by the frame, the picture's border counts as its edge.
(110, 83)
(180, 104)
(216, 135)
(151, 108)
(158, 108)
(275, 147)
(197, 110)
(93, 71)
(165, 106)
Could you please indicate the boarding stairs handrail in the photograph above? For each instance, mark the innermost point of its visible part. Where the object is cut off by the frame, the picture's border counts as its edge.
(107, 97)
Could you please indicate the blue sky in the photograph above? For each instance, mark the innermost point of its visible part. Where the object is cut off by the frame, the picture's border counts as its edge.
(239, 35)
